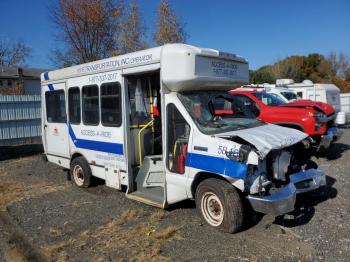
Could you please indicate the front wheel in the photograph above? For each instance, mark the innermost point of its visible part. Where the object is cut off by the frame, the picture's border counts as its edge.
(219, 205)
(80, 172)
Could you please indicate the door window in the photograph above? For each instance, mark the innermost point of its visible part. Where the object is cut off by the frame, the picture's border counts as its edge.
(91, 110)
(55, 107)
(178, 132)
(74, 105)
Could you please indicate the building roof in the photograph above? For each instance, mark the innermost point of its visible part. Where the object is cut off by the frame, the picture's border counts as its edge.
(14, 72)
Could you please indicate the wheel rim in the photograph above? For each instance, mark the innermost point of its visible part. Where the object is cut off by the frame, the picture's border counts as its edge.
(78, 175)
(212, 209)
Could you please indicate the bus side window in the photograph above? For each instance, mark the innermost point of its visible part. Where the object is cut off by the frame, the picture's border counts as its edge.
(300, 94)
(111, 104)
(178, 132)
(74, 105)
(55, 107)
(91, 107)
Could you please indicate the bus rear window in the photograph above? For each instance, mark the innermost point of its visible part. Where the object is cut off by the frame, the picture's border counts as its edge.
(55, 107)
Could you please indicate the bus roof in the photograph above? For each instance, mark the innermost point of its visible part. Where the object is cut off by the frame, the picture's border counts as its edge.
(181, 65)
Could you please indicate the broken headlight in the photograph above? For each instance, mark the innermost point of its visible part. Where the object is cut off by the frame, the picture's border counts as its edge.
(280, 164)
(241, 155)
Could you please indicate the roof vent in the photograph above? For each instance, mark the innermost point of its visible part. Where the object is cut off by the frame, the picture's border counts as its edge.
(284, 82)
(308, 82)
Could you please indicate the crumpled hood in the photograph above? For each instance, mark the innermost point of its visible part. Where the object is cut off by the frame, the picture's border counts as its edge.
(320, 106)
(267, 137)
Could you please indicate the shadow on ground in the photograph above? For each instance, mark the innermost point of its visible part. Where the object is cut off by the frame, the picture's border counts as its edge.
(11, 152)
(335, 151)
(306, 203)
(303, 213)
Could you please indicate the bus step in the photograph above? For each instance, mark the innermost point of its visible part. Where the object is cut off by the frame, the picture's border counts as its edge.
(142, 197)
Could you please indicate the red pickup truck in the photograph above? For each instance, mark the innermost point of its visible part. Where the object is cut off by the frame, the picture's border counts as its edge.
(314, 118)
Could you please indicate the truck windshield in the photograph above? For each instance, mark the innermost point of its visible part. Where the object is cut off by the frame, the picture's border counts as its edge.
(269, 99)
(290, 96)
(218, 112)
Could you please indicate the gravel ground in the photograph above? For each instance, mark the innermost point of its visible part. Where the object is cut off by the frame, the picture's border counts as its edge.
(44, 217)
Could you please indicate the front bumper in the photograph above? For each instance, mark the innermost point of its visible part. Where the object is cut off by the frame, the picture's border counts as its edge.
(283, 201)
(333, 134)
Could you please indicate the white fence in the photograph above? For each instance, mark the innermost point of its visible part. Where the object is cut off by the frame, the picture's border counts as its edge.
(20, 119)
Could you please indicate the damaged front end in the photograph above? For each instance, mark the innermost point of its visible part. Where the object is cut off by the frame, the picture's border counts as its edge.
(281, 200)
(274, 180)
(284, 173)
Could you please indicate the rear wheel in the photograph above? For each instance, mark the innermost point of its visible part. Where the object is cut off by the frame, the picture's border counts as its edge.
(219, 205)
(80, 172)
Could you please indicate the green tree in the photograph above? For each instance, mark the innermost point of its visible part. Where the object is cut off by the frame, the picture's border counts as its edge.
(132, 35)
(262, 75)
(169, 27)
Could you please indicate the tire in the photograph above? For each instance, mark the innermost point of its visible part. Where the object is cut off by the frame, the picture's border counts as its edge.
(80, 172)
(229, 213)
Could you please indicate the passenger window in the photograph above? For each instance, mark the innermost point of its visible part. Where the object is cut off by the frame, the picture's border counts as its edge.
(91, 111)
(74, 105)
(178, 132)
(55, 107)
(111, 104)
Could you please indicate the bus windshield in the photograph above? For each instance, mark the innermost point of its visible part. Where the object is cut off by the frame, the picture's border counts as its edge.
(269, 99)
(218, 112)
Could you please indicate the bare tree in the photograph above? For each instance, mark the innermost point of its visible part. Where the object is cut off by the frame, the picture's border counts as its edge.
(291, 67)
(340, 64)
(169, 27)
(88, 28)
(13, 53)
(132, 35)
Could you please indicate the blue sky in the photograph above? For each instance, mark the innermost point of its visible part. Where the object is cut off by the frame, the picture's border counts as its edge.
(261, 31)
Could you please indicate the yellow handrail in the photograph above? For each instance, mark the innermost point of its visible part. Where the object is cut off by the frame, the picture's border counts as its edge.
(139, 139)
(150, 96)
(137, 126)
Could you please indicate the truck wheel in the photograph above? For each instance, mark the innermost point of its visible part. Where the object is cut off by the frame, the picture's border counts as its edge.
(219, 205)
(80, 172)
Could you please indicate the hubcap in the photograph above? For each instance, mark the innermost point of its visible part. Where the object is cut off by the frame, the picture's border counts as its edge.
(78, 175)
(212, 209)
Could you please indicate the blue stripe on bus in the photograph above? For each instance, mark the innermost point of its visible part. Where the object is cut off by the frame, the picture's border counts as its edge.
(217, 165)
(106, 147)
(46, 75)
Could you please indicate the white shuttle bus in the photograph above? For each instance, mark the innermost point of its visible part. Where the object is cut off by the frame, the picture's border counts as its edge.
(145, 123)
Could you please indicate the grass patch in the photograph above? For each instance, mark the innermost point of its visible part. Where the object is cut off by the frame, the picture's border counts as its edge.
(14, 191)
(135, 235)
